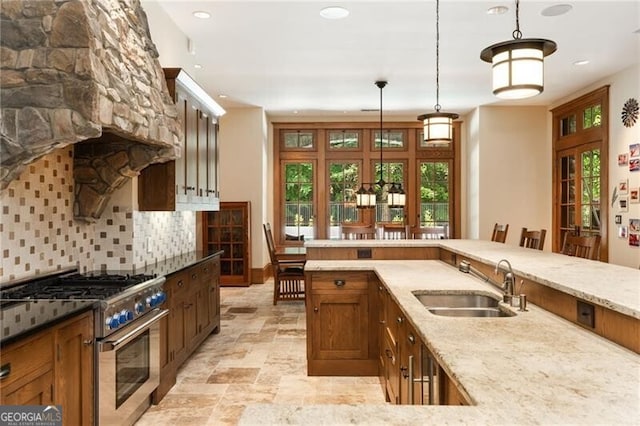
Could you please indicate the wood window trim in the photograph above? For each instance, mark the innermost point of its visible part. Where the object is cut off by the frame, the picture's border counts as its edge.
(411, 156)
(579, 138)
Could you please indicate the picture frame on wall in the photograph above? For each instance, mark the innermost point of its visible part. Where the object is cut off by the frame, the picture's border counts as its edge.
(634, 225)
(623, 204)
(623, 159)
(634, 240)
(618, 219)
(622, 232)
(634, 150)
(623, 187)
(634, 164)
(634, 195)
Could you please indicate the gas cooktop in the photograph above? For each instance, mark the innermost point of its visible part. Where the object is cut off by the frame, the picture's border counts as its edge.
(90, 286)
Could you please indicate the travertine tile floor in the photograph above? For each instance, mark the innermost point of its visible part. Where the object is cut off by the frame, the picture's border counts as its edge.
(258, 356)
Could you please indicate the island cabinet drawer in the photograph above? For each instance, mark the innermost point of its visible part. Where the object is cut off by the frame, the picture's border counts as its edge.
(23, 361)
(344, 281)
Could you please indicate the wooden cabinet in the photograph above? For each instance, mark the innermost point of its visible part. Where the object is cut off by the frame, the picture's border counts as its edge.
(53, 367)
(410, 366)
(27, 371)
(191, 181)
(229, 230)
(193, 300)
(74, 374)
(341, 313)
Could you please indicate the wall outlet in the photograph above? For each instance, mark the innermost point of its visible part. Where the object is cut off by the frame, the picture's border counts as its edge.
(149, 245)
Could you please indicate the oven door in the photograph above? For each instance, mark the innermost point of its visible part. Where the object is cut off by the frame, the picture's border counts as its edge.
(129, 370)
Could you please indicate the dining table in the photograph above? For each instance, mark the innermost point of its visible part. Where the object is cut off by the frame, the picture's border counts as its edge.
(291, 253)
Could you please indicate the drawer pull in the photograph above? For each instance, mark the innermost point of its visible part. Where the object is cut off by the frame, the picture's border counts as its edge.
(339, 283)
(5, 370)
(411, 339)
(88, 342)
(180, 283)
(315, 309)
(400, 320)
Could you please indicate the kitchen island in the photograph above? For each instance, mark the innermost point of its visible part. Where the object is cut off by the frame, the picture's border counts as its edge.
(531, 368)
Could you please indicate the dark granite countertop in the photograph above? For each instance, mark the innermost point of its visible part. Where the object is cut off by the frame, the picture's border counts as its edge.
(178, 263)
(21, 318)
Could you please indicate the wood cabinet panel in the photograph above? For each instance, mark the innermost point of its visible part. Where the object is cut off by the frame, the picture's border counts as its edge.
(190, 181)
(193, 300)
(342, 338)
(74, 374)
(53, 367)
(229, 229)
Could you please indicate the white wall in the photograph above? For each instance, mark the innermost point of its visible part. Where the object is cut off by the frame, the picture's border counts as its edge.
(509, 171)
(243, 173)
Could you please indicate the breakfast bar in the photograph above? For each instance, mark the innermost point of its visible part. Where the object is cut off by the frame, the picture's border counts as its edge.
(530, 368)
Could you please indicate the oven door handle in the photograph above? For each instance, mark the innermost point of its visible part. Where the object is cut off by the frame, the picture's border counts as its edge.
(110, 345)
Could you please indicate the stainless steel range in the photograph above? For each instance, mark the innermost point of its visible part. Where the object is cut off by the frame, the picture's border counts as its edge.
(127, 331)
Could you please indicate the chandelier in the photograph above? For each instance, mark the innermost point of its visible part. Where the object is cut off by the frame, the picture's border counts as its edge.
(518, 64)
(438, 126)
(366, 197)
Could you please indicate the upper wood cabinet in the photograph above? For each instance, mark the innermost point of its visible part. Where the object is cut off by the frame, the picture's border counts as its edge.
(191, 181)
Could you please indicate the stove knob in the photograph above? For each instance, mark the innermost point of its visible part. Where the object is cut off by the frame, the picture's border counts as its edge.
(154, 300)
(129, 316)
(161, 297)
(123, 316)
(139, 308)
(113, 322)
(148, 300)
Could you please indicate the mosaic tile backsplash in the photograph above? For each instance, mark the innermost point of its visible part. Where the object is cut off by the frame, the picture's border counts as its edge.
(38, 233)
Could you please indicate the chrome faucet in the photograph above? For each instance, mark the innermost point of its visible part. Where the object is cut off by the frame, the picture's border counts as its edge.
(509, 281)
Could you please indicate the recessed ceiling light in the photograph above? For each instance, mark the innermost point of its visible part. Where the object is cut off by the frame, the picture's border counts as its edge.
(222, 95)
(197, 66)
(202, 14)
(581, 62)
(497, 10)
(295, 112)
(334, 12)
(556, 10)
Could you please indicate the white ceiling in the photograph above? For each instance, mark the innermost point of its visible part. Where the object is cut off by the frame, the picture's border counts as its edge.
(282, 56)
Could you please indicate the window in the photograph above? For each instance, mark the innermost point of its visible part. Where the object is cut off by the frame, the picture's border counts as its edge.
(315, 183)
(298, 191)
(299, 140)
(392, 139)
(592, 117)
(580, 168)
(344, 180)
(344, 139)
(434, 193)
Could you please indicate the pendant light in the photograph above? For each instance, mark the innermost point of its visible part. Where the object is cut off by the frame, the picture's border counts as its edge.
(438, 126)
(518, 64)
(396, 197)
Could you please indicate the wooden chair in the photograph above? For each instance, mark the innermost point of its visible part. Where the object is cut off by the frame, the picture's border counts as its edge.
(358, 232)
(586, 247)
(532, 239)
(500, 233)
(394, 231)
(429, 232)
(288, 275)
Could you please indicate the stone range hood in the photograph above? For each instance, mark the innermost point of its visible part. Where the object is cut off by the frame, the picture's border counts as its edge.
(83, 72)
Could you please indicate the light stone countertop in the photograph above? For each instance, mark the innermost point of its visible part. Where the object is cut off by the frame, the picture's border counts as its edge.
(533, 368)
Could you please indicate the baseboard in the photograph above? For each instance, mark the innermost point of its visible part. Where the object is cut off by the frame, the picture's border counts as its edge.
(261, 275)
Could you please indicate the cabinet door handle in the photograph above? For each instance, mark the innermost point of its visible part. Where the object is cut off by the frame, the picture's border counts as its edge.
(87, 342)
(194, 276)
(400, 319)
(339, 283)
(315, 309)
(5, 370)
(180, 283)
(411, 339)
(411, 379)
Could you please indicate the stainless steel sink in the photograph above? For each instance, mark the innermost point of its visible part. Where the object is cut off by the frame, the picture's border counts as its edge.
(469, 305)
(457, 300)
(472, 312)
